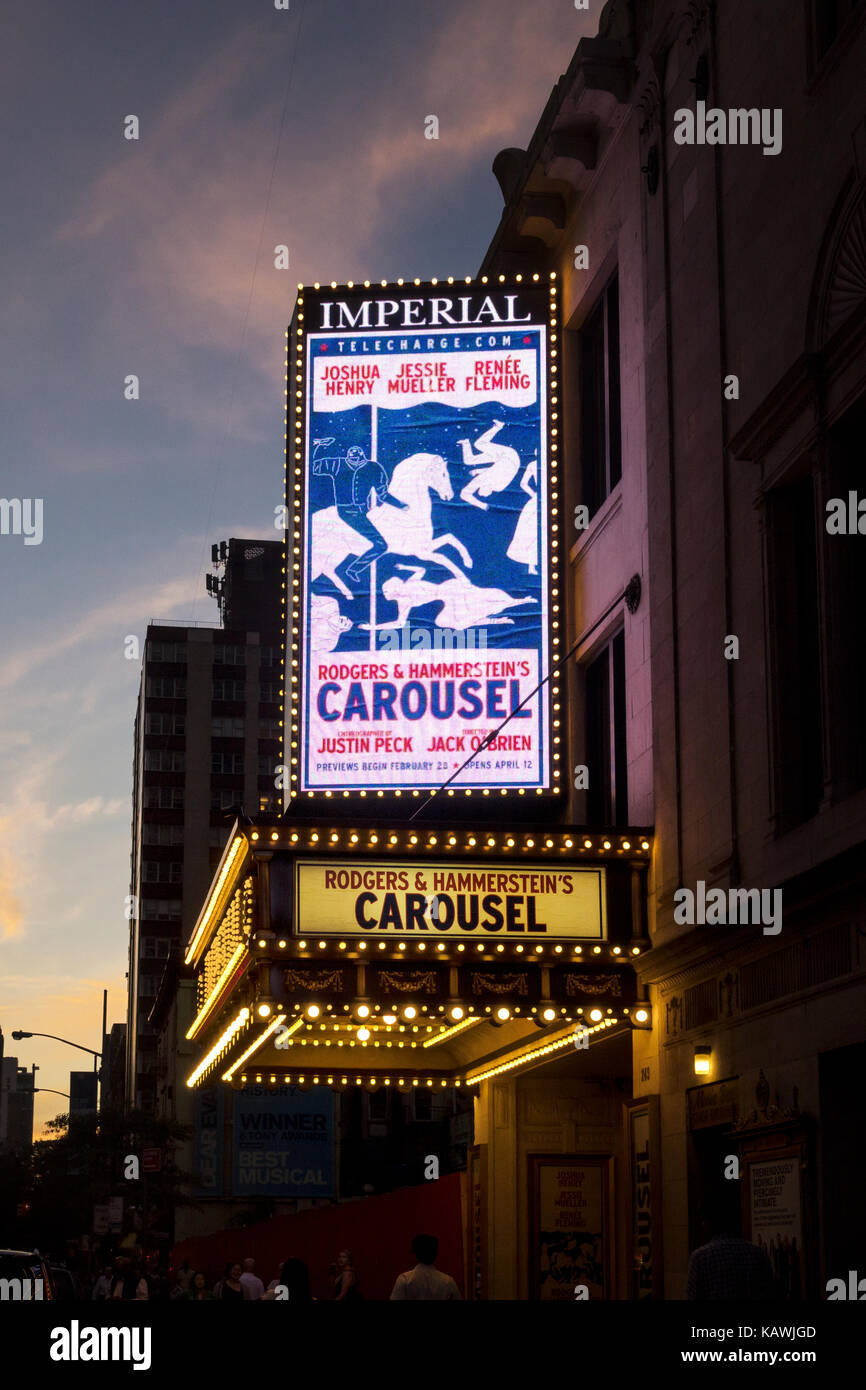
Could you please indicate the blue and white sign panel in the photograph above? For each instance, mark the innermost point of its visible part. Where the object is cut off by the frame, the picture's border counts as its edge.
(283, 1142)
(424, 600)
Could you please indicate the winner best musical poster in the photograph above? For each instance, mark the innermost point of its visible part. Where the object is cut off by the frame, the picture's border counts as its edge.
(422, 489)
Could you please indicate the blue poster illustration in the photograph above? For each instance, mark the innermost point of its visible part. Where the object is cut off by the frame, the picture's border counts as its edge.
(426, 543)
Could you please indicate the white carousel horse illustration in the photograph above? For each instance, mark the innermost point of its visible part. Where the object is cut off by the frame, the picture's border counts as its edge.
(524, 543)
(494, 466)
(408, 532)
(464, 604)
(327, 623)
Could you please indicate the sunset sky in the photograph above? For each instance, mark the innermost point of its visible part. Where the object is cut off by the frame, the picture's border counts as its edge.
(156, 257)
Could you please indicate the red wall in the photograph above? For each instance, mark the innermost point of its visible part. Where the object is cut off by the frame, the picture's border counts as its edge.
(377, 1230)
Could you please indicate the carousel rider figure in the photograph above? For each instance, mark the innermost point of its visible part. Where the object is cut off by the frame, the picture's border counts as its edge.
(356, 480)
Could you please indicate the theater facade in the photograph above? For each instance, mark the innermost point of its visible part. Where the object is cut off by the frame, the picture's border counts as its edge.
(500, 964)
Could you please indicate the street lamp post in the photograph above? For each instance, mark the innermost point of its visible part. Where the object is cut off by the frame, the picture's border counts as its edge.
(19, 1033)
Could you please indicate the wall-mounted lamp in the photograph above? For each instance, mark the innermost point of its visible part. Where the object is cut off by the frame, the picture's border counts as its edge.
(641, 1016)
(702, 1060)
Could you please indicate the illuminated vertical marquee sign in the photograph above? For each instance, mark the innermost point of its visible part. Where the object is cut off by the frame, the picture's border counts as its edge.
(423, 539)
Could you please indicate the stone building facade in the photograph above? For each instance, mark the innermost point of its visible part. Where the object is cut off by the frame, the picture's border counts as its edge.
(714, 366)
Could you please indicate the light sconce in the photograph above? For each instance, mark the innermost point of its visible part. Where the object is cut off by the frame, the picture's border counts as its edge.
(545, 1016)
(702, 1060)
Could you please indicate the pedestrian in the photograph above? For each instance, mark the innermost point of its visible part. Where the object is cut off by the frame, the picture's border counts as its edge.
(269, 1292)
(102, 1287)
(346, 1284)
(231, 1287)
(727, 1267)
(252, 1285)
(425, 1281)
(130, 1284)
(295, 1278)
(184, 1276)
(198, 1291)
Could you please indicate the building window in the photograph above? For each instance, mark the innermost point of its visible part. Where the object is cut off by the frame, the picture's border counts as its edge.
(269, 693)
(230, 655)
(163, 798)
(165, 688)
(267, 764)
(231, 726)
(161, 871)
(226, 798)
(270, 656)
(160, 909)
(271, 801)
(171, 724)
(842, 617)
(227, 764)
(162, 760)
(156, 947)
(218, 836)
(269, 728)
(423, 1105)
(229, 690)
(162, 834)
(605, 737)
(166, 651)
(600, 429)
(377, 1106)
(796, 653)
(829, 18)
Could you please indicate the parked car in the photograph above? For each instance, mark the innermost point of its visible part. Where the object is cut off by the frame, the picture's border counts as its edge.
(25, 1275)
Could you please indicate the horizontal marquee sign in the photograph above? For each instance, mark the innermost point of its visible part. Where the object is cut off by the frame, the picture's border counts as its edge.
(423, 551)
(340, 898)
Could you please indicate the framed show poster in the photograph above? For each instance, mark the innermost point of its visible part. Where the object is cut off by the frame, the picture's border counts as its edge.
(646, 1277)
(773, 1171)
(570, 1228)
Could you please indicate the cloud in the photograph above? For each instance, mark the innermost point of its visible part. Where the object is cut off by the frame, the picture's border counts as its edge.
(182, 208)
(111, 618)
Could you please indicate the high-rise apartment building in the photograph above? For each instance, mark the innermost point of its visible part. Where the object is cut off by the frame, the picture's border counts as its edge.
(206, 741)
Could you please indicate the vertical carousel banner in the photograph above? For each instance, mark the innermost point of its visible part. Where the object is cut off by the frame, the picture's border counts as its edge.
(208, 1142)
(422, 492)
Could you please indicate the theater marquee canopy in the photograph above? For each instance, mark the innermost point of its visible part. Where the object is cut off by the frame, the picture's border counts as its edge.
(353, 956)
(423, 536)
